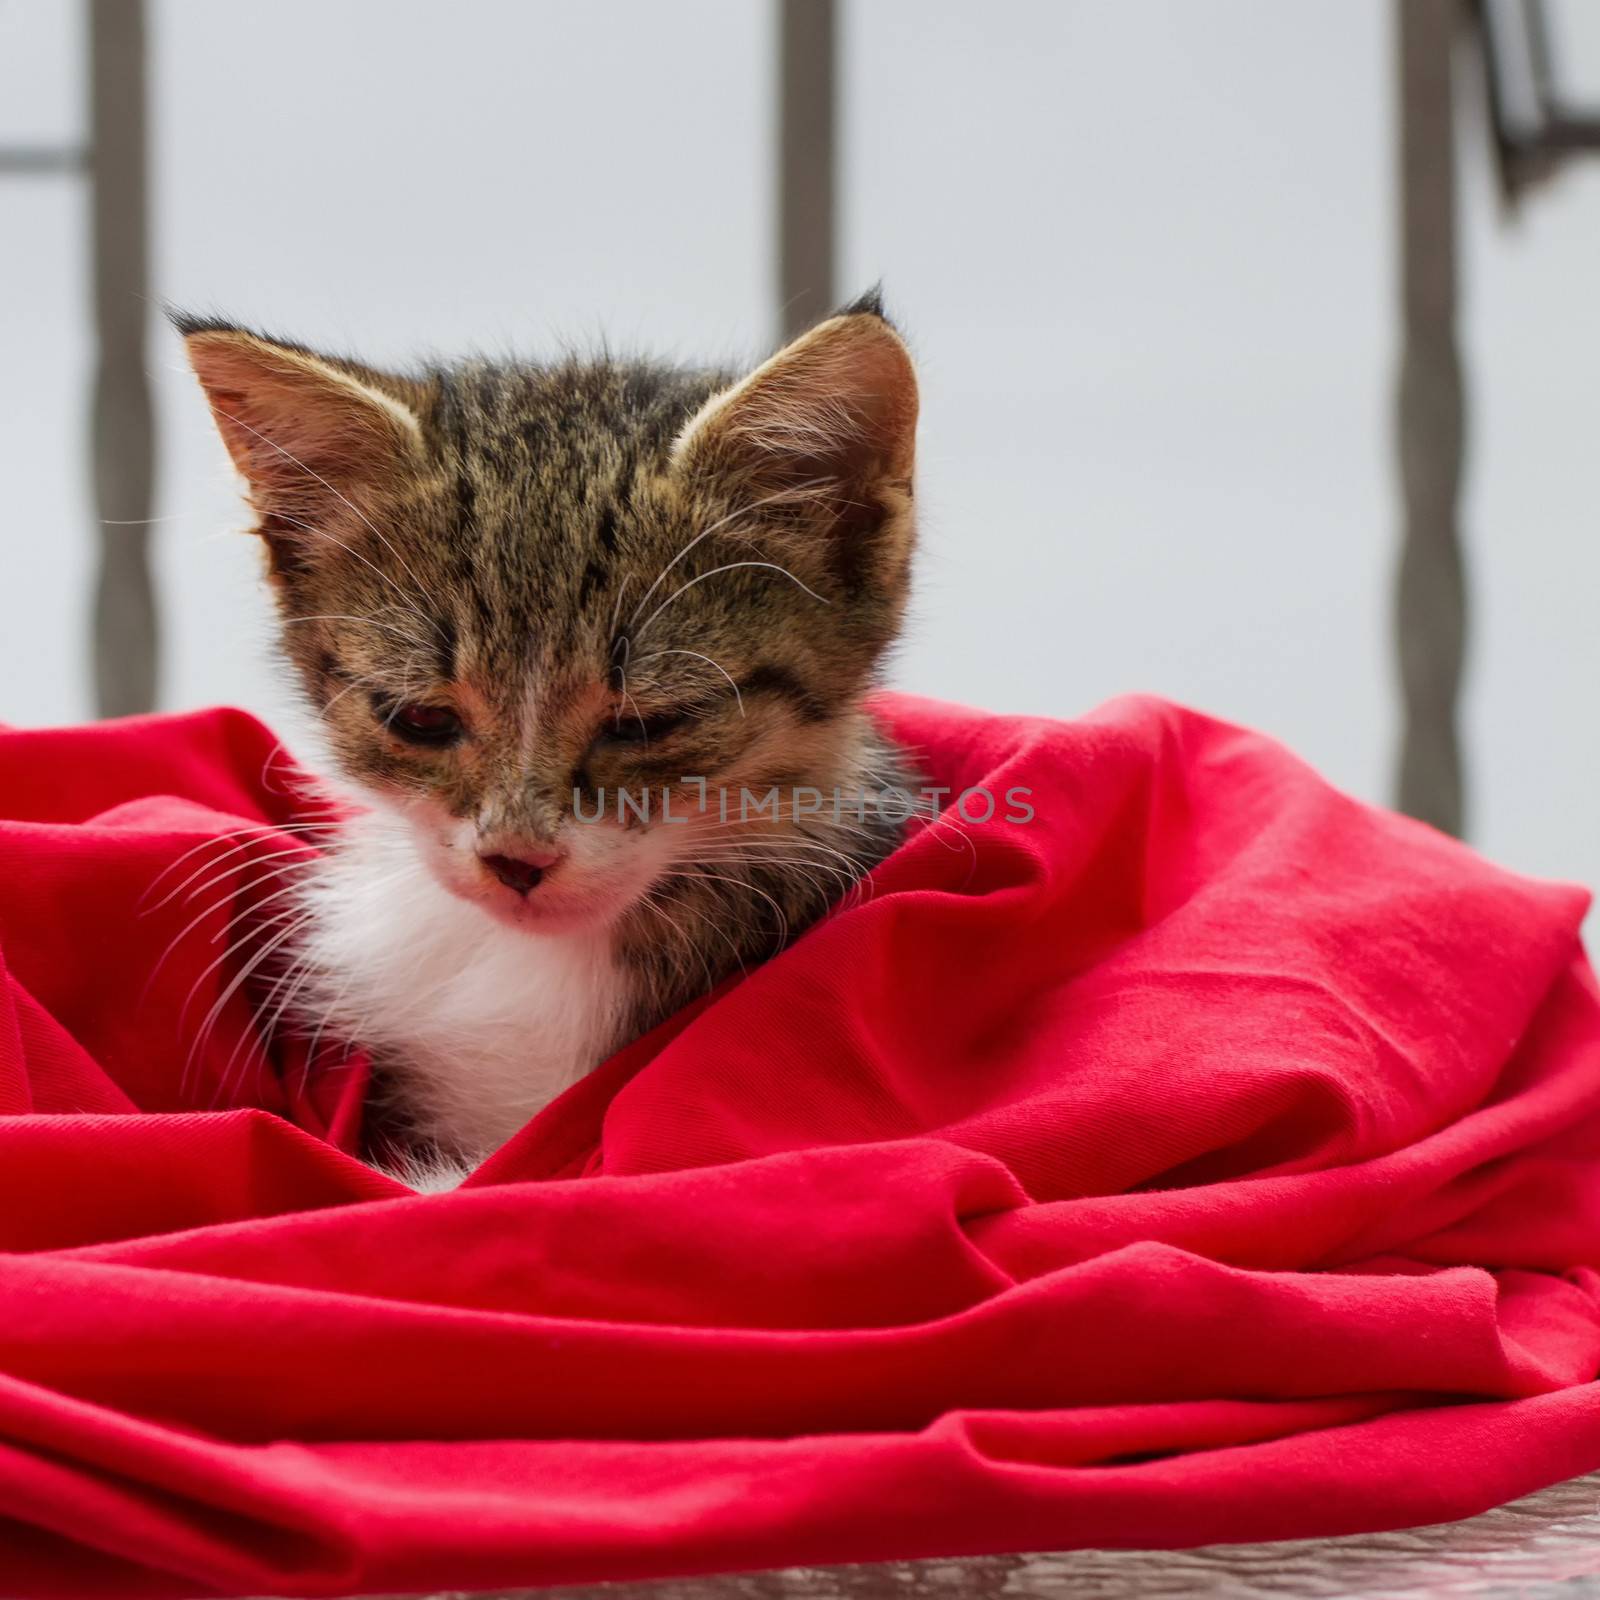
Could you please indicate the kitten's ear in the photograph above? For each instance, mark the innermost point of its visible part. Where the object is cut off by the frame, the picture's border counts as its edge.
(307, 433)
(824, 432)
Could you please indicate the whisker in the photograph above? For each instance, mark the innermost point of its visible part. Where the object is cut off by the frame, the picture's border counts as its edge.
(705, 533)
(241, 917)
(231, 833)
(341, 616)
(616, 604)
(647, 899)
(738, 698)
(272, 444)
(731, 566)
(197, 1047)
(216, 861)
(739, 883)
(295, 919)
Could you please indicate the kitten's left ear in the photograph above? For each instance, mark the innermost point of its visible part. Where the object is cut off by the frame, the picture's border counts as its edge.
(824, 433)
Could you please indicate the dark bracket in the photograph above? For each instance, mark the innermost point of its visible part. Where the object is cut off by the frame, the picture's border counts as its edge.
(1535, 127)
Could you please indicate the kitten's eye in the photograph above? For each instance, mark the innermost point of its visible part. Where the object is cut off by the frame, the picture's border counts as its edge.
(423, 724)
(632, 729)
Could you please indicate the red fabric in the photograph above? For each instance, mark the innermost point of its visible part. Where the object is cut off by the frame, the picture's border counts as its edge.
(1210, 1158)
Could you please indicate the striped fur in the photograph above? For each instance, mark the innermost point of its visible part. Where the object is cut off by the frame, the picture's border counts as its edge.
(612, 575)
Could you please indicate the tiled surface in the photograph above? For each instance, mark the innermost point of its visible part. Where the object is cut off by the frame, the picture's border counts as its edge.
(1545, 1547)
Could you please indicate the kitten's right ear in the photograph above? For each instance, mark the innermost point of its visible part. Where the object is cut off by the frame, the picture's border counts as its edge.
(307, 433)
(827, 428)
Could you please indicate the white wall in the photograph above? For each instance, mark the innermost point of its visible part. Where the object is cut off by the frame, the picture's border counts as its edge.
(1143, 252)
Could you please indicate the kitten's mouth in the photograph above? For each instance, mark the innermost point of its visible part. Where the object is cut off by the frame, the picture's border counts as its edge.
(535, 889)
(537, 913)
(558, 907)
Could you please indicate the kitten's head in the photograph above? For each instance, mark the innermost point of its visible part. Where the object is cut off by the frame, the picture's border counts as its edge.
(505, 586)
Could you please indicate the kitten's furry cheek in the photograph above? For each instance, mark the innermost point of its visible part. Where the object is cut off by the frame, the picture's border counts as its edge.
(444, 844)
(610, 866)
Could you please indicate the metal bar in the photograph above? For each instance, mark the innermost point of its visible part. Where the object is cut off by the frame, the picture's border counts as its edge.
(1536, 31)
(1564, 133)
(22, 161)
(1564, 129)
(806, 141)
(1431, 601)
(123, 437)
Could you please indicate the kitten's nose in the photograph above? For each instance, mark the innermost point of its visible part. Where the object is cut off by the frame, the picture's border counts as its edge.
(521, 873)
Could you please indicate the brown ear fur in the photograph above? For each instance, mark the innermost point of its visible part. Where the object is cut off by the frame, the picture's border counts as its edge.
(827, 425)
(308, 435)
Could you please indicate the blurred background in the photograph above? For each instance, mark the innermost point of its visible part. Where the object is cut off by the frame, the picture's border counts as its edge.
(1147, 253)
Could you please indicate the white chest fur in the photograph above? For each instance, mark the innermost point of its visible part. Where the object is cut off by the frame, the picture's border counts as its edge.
(476, 1025)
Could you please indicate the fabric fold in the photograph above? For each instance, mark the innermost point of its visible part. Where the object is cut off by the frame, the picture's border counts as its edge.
(1201, 1155)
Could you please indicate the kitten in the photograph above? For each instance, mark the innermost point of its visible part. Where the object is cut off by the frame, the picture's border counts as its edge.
(529, 604)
